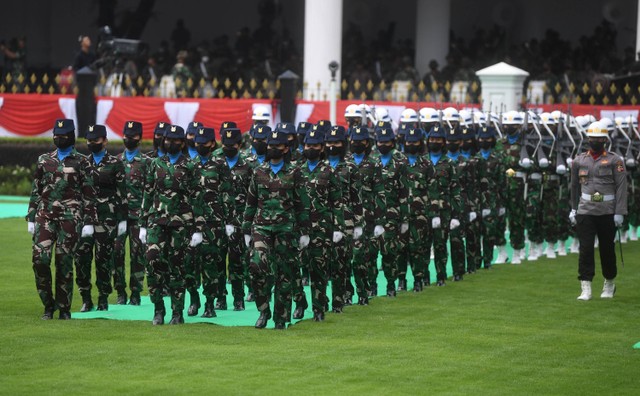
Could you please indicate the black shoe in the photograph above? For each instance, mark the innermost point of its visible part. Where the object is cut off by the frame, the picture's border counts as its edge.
(238, 304)
(298, 313)
(48, 314)
(363, 301)
(64, 315)
(457, 278)
(122, 298)
(471, 271)
(103, 303)
(209, 312)
(176, 318)
(159, 312)
(250, 297)
(402, 284)
(318, 316)
(265, 315)
(280, 326)
(391, 293)
(305, 281)
(440, 283)
(487, 267)
(374, 291)
(336, 309)
(221, 304)
(135, 298)
(417, 286)
(87, 305)
(348, 298)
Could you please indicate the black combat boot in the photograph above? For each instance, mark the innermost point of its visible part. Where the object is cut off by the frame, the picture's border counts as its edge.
(177, 318)
(159, 312)
(103, 302)
(87, 303)
(298, 313)
(265, 315)
(122, 297)
(209, 312)
(195, 303)
(135, 298)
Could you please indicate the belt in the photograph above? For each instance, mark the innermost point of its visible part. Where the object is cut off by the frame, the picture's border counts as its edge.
(553, 177)
(597, 197)
(535, 176)
(521, 175)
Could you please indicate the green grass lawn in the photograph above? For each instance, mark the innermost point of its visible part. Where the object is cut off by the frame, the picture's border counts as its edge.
(510, 330)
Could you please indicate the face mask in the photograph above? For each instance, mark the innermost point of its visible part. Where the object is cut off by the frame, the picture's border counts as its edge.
(274, 154)
(95, 147)
(335, 151)
(191, 143)
(452, 147)
(358, 147)
(412, 149)
(485, 145)
(157, 142)
(131, 144)
(203, 151)
(596, 146)
(312, 154)
(466, 146)
(435, 147)
(172, 148)
(260, 147)
(63, 142)
(230, 151)
(385, 149)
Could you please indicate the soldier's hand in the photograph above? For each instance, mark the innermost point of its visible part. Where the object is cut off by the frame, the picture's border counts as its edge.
(357, 233)
(526, 163)
(572, 217)
(31, 227)
(472, 216)
(378, 230)
(435, 223)
(502, 212)
(229, 229)
(247, 239)
(337, 236)
(544, 163)
(486, 213)
(561, 169)
(618, 220)
(142, 235)
(196, 239)
(87, 231)
(304, 241)
(122, 227)
(453, 224)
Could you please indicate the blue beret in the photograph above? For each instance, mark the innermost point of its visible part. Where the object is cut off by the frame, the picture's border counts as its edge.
(132, 128)
(336, 134)
(384, 134)
(277, 137)
(324, 125)
(260, 131)
(286, 128)
(467, 133)
(314, 136)
(63, 126)
(437, 132)
(486, 133)
(359, 133)
(454, 134)
(231, 136)
(193, 127)
(204, 135)
(174, 132)
(413, 135)
(227, 125)
(303, 127)
(161, 128)
(96, 132)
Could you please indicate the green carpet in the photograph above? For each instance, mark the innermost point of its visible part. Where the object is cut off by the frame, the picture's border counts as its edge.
(637, 346)
(13, 206)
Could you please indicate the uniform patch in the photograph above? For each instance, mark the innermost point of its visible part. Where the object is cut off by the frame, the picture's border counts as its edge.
(619, 166)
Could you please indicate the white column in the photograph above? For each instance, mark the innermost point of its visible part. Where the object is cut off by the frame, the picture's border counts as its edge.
(432, 32)
(638, 33)
(322, 44)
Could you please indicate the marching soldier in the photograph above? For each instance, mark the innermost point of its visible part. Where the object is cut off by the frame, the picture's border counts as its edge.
(598, 203)
(111, 208)
(190, 134)
(473, 229)
(61, 208)
(135, 169)
(158, 140)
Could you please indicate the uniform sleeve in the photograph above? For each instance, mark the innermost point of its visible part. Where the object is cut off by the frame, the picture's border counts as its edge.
(457, 203)
(620, 176)
(354, 197)
(121, 192)
(36, 190)
(301, 203)
(197, 194)
(251, 205)
(147, 196)
(226, 194)
(380, 206)
(337, 202)
(89, 181)
(403, 192)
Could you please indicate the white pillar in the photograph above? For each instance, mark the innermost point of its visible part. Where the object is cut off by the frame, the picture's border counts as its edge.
(638, 33)
(501, 87)
(432, 32)
(322, 44)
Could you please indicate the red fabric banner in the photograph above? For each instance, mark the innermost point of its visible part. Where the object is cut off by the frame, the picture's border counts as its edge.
(149, 112)
(213, 113)
(29, 115)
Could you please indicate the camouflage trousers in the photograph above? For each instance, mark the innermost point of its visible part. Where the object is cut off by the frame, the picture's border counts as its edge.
(389, 248)
(550, 209)
(193, 263)
(340, 270)
(238, 264)
(473, 234)
(137, 262)
(501, 230)
(166, 247)
(488, 232)
(402, 261)
(564, 208)
(533, 219)
(64, 234)
(274, 258)
(361, 262)
(458, 251)
(316, 258)
(371, 253)
(211, 255)
(516, 212)
(418, 250)
(438, 239)
(103, 241)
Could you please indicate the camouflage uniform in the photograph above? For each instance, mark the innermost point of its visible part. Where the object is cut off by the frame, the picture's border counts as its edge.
(516, 208)
(275, 216)
(473, 228)
(62, 201)
(466, 180)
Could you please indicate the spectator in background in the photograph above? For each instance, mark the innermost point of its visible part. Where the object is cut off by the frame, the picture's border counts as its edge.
(85, 57)
(180, 36)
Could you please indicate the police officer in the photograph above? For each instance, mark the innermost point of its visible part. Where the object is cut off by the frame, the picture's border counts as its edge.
(111, 207)
(61, 208)
(598, 203)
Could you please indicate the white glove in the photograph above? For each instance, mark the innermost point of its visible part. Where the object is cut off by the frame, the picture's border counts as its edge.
(472, 216)
(525, 163)
(572, 217)
(357, 233)
(544, 163)
(453, 224)
(502, 211)
(196, 239)
(569, 162)
(87, 231)
(486, 212)
(618, 219)
(378, 230)
(122, 227)
(247, 239)
(143, 235)
(31, 227)
(561, 169)
(404, 227)
(229, 229)
(435, 222)
(304, 241)
(337, 236)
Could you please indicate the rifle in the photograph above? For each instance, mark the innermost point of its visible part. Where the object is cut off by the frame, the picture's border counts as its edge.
(524, 129)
